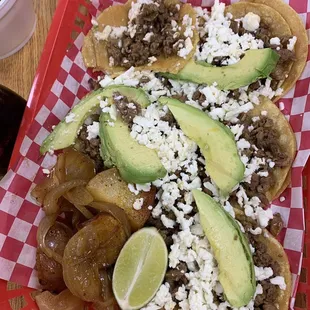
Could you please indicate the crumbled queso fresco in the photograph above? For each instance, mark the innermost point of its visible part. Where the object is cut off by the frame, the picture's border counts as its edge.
(221, 40)
(181, 158)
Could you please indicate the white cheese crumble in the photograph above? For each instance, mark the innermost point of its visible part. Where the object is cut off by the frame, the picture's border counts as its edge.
(132, 188)
(292, 43)
(148, 36)
(70, 118)
(221, 40)
(138, 204)
(251, 22)
(275, 41)
(94, 22)
(280, 281)
(263, 273)
(151, 59)
(282, 199)
(46, 171)
(183, 52)
(256, 231)
(93, 130)
(168, 223)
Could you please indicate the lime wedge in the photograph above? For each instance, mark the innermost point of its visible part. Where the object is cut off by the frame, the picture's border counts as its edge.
(140, 269)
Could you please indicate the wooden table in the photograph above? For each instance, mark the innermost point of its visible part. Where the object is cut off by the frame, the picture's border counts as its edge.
(17, 72)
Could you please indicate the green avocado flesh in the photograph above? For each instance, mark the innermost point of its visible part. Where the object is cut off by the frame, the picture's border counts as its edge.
(64, 134)
(231, 250)
(215, 141)
(255, 65)
(136, 163)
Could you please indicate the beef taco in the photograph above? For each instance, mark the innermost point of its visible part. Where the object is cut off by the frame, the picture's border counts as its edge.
(268, 253)
(282, 30)
(298, 30)
(158, 36)
(272, 134)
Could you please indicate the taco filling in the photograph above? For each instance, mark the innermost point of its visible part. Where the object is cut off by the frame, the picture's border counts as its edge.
(159, 198)
(145, 34)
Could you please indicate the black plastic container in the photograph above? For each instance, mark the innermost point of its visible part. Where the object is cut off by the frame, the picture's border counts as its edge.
(12, 108)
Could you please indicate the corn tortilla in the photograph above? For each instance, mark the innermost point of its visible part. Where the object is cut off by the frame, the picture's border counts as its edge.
(271, 18)
(95, 53)
(297, 29)
(287, 143)
(277, 253)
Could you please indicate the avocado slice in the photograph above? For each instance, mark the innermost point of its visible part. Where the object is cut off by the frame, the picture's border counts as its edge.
(136, 163)
(64, 134)
(255, 65)
(231, 250)
(219, 148)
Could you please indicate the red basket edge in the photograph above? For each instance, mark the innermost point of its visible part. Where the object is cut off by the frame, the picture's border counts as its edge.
(43, 81)
(48, 67)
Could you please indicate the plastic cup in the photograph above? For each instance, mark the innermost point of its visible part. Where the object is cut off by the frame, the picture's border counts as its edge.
(17, 24)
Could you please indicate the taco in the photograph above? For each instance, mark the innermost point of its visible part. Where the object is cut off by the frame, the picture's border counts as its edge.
(298, 30)
(131, 35)
(268, 253)
(275, 29)
(274, 137)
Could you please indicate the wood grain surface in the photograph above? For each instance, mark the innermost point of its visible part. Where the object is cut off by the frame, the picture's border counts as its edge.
(17, 71)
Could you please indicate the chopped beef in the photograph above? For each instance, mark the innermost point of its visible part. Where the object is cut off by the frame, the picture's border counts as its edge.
(266, 138)
(263, 33)
(162, 229)
(90, 147)
(198, 96)
(235, 94)
(261, 257)
(268, 298)
(93, 84)
(276, 224)
(176, 277)
(219, 61)
(234, 26)
(181, 97)
(169, 118)
(286, 55)
(127, 109)
(279, 73)
(269, 307)
(135, 51)
(144, 79)
(285, 40)
(237, 27)
(254, 86)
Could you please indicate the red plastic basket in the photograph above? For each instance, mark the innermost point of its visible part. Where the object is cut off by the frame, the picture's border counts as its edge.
(68, 23)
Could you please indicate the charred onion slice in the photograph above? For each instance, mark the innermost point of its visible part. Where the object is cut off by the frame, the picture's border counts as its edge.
(40, 191)
(64, 300)
(95, 246)
(51, 247)
(115, 211)
(79, 196)
(59, 168)
(50, 204)
(78, 166)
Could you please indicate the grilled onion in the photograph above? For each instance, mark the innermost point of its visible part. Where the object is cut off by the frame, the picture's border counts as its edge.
(50, 204)
(115, 211)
